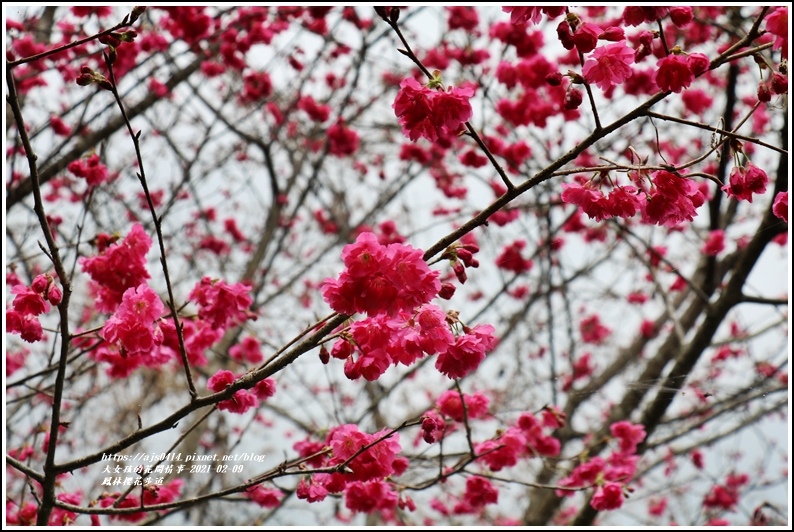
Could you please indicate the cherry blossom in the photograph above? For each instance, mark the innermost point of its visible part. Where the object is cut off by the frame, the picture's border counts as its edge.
(673, 73)
(777, 24)
(468, 351)
(450, 405)
(134, 326)
(608, 497)
(746, 181)
(118, 267)
(780, 206)
(380, 279)
(609, 65)
(222, 304)
(428, 113)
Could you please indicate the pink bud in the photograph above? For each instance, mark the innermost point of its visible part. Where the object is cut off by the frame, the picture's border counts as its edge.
(460, 272)
(764, 94)
(447, 291)
(474, 248)
(681, 15)
(54, 294)
(554, 79)
(40, 284)
(779, 83)
(698, 63)
(613, 34)
(573, 99)
(352, 371)
(465, 255)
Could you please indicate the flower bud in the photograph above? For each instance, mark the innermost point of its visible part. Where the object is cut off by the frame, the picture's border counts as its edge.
(465, 255)
(573, 99)
(778, 83)
(698, 63)
(54, 294)
(764, 94)
(137, 11)
(554, 79)
(460, 272)
(40, 283)
(325, 356)
(110, 39)
(447, 291)
(613, 34)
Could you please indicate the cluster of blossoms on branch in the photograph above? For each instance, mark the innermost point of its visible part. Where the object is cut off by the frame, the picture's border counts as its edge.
(528, 437)
(365, 461)
(393, 285)
(137, 332)
(662, 198)
(609, 475)
(242, 400)
(426, 112)
(30, 302)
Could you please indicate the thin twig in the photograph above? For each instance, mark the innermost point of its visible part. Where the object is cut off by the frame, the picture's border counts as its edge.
(158, 229)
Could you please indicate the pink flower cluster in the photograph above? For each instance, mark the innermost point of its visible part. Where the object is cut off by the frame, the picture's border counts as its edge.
(94, 172)
(533, 14)
(242, 400)
(29, 303)
(610, 475)
(676, 72)
(392, 284)
(528, 437)
(672, 200)
(621, 201)
(780, 206)
(222, 305)
(432, 114)
(479, 492)
(382, 341)
(746, 181)
(365, 485)
(593, 331)
(117, 268)
(511, 260)
(467, 352)
(726, 496)
(26, 515)
(451, 405)
(609, 65)
(669, 200)
(248, 350)
(256, 87)
(133, 328)
(317, 112)
(265, 497)
(161, 494)
(380, 279)
(342, 140)
(777, 24)
(715, 243)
